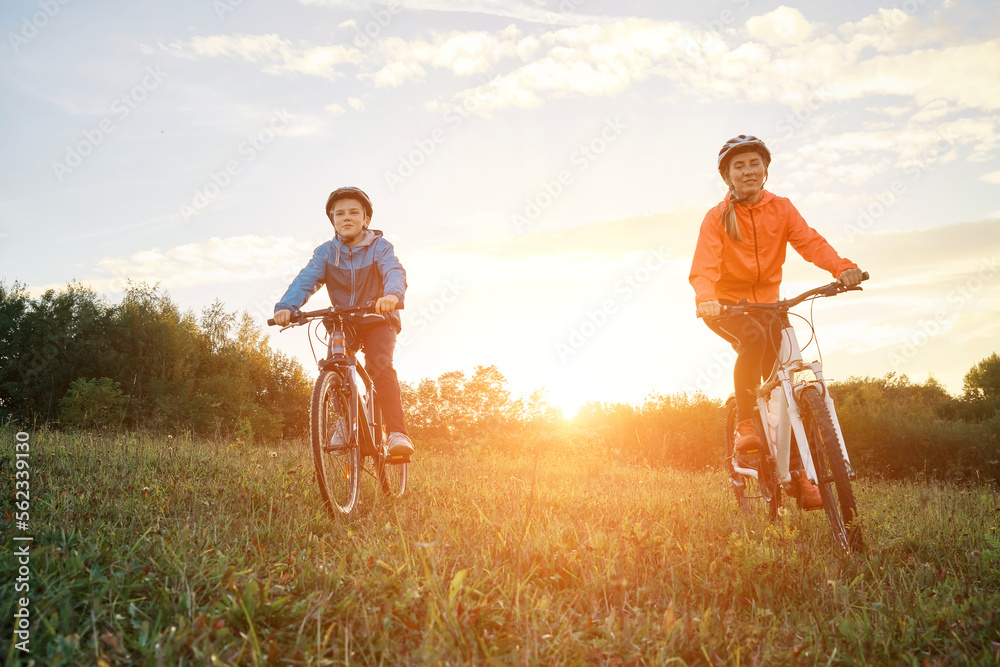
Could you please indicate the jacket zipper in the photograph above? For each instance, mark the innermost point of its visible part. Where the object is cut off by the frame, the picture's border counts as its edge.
(350, 255)
(756, 255)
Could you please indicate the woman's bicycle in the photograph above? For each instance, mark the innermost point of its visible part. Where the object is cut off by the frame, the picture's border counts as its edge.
(794, 407)
(345, 420)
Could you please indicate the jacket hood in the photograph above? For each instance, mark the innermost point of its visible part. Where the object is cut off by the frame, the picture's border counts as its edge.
(367, 240)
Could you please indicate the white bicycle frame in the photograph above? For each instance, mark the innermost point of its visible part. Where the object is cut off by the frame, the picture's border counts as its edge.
(789, 420)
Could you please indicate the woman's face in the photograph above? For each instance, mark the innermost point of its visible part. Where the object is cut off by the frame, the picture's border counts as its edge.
(746, 173)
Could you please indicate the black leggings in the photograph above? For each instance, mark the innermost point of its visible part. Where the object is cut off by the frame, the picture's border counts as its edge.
(756, 337)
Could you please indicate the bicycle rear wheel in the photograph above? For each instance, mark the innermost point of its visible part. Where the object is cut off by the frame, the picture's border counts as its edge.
(392, 477)
(831, 470)
(334, 455)
(760, 495)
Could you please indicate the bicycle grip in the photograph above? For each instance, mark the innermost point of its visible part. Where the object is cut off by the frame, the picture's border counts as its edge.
(864, 276)
(271, 322)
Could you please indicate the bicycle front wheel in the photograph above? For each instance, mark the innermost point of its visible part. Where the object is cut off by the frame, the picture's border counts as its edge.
(754, 495)
(334, 455)
(831, 470)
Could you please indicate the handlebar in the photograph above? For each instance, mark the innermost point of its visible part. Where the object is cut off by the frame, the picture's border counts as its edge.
(832, 289)
(305, 316)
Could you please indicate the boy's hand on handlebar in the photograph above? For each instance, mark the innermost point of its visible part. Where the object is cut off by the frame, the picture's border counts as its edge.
(709, 309)
(386, 304)
(283, 317)
(851, 277)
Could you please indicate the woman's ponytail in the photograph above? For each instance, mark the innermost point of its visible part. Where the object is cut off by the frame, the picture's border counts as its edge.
(729, 221)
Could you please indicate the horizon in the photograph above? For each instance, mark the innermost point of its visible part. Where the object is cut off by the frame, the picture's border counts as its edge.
(540, 167)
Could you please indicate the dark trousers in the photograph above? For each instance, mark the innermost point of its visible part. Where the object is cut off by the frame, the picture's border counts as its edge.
(756, 337)
(378, 341)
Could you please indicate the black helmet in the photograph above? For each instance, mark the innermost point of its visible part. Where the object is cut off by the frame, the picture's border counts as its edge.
(349, 193)
(742, 144)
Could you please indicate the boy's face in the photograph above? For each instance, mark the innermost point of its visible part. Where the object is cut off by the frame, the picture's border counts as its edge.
(349, 219)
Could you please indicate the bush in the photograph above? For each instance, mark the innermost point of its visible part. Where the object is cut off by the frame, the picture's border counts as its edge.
(894, 427)
(97, 404)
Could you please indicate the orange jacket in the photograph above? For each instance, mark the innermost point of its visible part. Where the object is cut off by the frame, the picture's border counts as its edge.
(751, 269)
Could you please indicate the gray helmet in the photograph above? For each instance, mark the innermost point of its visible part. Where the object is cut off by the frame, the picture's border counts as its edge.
(742, 144)
(349, 193)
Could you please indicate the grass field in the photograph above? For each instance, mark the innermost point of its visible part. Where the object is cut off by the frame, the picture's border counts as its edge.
(157, 551)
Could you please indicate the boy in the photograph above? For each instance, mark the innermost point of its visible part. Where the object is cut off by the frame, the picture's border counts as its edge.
(358, 266)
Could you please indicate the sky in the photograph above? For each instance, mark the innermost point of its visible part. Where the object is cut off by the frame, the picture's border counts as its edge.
(540, 166)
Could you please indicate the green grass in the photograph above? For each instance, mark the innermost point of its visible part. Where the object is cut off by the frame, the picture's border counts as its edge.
(155, 551)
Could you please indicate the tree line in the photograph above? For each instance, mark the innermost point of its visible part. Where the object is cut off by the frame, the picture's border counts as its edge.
(71, 359)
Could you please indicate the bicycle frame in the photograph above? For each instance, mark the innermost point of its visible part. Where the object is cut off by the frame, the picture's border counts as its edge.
(364, 422)
(364, 431)
(788, 364)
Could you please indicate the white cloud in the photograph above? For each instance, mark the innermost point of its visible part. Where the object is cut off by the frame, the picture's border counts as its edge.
(780, 56)
(476, 52)
(397, 73)
(530, 12)
(356, 104)
(335, 109)
(784, 25)
(276, 55)
(893, 31)
(992, 177)
(229, 260)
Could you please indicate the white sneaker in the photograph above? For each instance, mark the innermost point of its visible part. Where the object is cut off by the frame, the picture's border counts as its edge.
(399, 444)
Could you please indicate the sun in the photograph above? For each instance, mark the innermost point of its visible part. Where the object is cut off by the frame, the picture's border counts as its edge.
(567, 400)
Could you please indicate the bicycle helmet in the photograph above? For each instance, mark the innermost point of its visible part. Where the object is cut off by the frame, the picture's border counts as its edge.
(349, 192)
(742, 144)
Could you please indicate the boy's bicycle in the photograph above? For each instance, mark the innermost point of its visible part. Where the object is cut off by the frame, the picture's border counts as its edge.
(794, 406)
(345, 419)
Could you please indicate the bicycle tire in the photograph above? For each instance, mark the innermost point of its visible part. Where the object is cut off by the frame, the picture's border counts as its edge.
(760, 495)
(831, 471)
(337, 468)
(392, 477)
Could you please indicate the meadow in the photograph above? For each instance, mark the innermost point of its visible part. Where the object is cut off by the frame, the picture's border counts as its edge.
(163, 551)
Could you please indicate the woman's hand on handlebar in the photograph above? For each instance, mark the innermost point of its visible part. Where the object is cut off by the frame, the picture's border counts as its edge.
(709, 309)
(851, 277)
(283, 317)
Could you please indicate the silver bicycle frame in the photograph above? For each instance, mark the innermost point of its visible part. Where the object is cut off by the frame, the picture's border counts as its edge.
(789, 420)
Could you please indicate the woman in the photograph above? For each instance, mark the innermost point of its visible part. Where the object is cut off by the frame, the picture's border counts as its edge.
(740, 252)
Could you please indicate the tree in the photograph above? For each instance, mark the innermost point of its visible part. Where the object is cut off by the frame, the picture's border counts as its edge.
(487, 400)
(983, 380)
(95, 403)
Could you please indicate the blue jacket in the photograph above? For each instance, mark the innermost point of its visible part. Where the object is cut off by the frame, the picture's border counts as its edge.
(352, 276)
